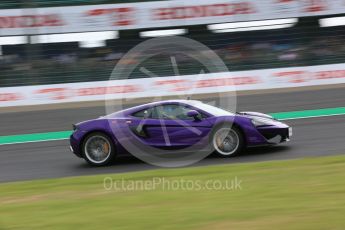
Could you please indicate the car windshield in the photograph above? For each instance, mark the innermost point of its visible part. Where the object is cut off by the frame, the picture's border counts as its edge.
(215, 111)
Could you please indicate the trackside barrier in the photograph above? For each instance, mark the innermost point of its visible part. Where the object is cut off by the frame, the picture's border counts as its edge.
(176, 85)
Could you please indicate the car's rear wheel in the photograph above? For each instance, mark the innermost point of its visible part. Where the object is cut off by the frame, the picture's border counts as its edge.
(227, 141)
(98, 149)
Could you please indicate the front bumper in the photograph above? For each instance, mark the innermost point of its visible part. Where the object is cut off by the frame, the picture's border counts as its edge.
(276, 135)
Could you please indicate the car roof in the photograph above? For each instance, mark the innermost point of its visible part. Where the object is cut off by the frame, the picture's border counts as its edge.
(178, 101)
(143, 106)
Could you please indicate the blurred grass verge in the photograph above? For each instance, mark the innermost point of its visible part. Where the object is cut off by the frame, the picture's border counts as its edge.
(294, 194)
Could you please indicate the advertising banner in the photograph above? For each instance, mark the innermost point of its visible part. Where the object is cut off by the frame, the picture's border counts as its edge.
(156, 14)
(170, 86)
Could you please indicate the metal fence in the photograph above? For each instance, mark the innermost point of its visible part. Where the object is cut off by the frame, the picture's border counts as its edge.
(303, 45)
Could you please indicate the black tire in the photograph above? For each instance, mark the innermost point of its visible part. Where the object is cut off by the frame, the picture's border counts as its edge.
(90, 157)
(234, 132)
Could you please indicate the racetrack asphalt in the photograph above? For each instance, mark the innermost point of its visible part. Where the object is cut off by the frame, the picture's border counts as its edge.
(312, 137)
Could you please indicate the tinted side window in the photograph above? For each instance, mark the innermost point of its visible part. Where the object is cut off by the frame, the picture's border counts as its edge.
(172, 111)
(142, 113)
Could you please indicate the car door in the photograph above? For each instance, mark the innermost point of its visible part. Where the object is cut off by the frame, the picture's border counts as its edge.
(168, 125)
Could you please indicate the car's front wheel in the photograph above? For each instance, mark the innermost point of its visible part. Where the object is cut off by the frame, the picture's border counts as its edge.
(227, 141)
(98, 149)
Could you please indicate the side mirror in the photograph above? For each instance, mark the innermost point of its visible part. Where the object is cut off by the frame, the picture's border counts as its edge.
(193, 113)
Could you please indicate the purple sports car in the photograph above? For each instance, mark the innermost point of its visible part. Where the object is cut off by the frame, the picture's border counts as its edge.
(174, 125)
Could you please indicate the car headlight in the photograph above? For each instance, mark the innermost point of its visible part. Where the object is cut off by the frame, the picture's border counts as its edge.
(262, 121)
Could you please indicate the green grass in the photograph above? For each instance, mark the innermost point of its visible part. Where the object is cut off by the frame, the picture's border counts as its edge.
(295, 194)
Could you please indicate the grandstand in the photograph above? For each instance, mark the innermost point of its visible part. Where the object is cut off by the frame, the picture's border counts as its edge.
(27, 62)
